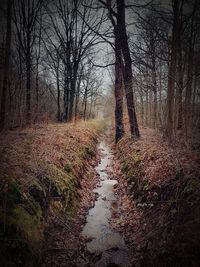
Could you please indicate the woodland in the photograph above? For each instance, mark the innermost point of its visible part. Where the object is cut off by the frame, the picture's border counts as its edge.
(100, 114)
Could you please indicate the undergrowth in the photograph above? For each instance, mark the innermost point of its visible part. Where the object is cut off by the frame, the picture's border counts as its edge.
(41, 168)
(163, 185)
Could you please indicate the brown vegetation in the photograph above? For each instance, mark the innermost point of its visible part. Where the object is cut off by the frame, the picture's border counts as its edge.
(160, 199)
(42, 171)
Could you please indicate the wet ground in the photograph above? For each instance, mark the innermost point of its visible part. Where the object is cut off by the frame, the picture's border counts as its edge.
(103, 240)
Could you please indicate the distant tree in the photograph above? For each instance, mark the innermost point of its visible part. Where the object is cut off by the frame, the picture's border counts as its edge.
(26, 15)
(70, 27)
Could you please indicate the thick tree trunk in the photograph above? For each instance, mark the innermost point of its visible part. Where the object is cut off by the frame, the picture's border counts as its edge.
(190, 75)
(72, 97)
(128, 79)
(178, 116)
(119, 126)
(6, 65)
(172, 71)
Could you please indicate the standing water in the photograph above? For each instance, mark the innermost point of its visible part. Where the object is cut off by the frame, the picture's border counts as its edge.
(105, 240)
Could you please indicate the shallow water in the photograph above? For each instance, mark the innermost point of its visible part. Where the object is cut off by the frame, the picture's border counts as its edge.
(103, 238)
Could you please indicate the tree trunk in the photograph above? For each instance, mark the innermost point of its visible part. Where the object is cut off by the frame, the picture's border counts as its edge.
(154, 122)
(172, 71)
(37, 70)
(180, 69)
(150, 108)
(194, 95)
(119, 126)
(85, 109)
(66, 96)
(128, 79)
(188, 94)
(77, 95)
(28, 85)
(179, 113)
(72, 95)
(58, 95)
(6, 64)
(147, 109)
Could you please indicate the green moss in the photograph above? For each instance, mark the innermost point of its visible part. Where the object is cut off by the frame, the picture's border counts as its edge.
(145, 185)
(130, 174)
(33, 208)
(22, 214)
(68, 167)
(179, 173)
(87, 152)
(10, 194)
(29, 226)
(21, 229)
(136, 157)
(125, 166)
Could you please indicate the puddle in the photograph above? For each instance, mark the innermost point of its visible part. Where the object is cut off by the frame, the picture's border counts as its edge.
(103, 238)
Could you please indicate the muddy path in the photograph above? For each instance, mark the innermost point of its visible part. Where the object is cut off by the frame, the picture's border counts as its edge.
(101, 240)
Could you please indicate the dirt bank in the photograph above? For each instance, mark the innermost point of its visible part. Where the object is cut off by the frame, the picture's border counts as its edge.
(41, 188)
(160, 200)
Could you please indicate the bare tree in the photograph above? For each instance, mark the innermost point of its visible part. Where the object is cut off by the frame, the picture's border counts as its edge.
(128, 74)
(25, 17)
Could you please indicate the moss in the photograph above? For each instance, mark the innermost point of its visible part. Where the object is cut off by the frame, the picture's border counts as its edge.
(130, 175)
(179, 173)
(24, 207)
(29, 226)
(145, 185)
(10, 194)
(68, 167)
(87, 152)
(124, 166)
(20, 229)
(192, 186)
(33, 208)
(136, 157)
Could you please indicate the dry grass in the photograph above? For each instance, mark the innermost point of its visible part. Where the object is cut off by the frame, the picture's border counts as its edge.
(40, 176)
(162, 207)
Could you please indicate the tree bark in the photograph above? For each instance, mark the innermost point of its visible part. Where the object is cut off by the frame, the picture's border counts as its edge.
(188, 94)
(119, 126)
(6, 64)
(58, 94)
(172, 71)
(28, 82)
(128, 79)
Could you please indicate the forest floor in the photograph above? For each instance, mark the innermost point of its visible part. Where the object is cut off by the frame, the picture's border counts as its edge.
(56, 179)
(159, 192)
(42, 189)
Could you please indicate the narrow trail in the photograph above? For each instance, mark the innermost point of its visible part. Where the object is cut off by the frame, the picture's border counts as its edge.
(102, 239)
